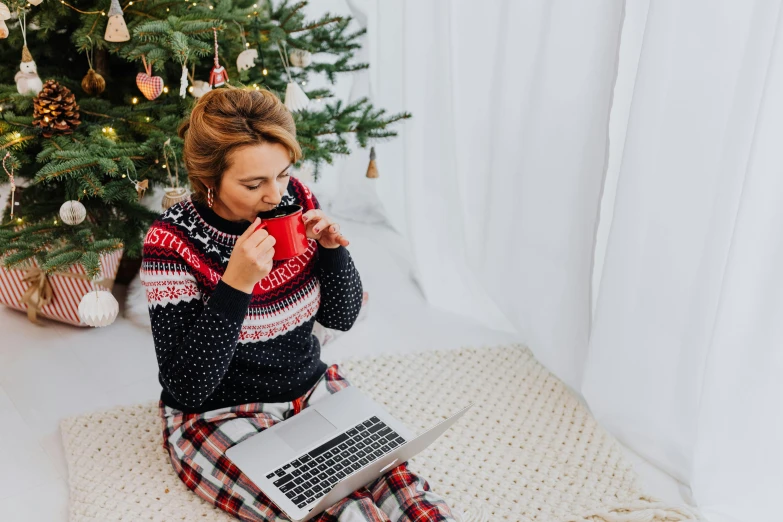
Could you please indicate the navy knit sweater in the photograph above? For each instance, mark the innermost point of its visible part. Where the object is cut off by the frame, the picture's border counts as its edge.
(218, 346)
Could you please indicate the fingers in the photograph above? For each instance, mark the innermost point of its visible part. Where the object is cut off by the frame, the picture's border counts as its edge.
(250, 230)
(265, 258)
(265, 247)
(321, 225)
(330, 238)
(260, 237)
(312, 214)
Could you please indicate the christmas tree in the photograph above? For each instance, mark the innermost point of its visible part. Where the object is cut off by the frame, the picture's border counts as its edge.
(94, 124)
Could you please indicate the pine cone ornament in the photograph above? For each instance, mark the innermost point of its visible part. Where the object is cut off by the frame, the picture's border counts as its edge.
(55, 109)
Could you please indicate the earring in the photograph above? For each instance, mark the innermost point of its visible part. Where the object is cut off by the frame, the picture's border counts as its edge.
(210, 197)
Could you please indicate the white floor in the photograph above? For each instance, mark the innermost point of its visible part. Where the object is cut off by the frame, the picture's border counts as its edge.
(54, 371)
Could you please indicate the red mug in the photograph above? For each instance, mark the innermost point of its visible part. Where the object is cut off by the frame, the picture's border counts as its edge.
(286, 226)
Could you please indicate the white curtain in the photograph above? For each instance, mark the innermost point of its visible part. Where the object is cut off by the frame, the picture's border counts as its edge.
(686, 355)
(501, 166)
(498, 179)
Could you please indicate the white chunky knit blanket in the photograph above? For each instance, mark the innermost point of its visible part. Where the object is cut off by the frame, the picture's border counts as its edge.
(527, 451)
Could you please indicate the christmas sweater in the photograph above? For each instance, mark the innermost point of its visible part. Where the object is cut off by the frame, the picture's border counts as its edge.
(218, 346)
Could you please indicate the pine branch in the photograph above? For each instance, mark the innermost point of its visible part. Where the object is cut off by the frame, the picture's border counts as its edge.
(90, 164)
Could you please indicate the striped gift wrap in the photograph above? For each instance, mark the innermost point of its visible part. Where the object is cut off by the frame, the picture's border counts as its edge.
(67, 291)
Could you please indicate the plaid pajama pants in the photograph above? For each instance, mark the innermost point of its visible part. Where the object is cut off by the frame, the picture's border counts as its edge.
(197, 444)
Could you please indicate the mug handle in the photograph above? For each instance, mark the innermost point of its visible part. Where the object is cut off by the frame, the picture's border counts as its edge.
(262, 225)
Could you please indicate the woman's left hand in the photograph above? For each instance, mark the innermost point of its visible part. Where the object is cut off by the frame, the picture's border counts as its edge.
(323, 229)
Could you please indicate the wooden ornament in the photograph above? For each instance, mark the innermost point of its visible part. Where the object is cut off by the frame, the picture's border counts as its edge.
(141, 187)
(372, 168)
(116, 29)
(247, 59)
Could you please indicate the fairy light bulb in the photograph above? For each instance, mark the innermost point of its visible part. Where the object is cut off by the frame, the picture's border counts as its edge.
(264, 71)
(166, 90)
(135, 100)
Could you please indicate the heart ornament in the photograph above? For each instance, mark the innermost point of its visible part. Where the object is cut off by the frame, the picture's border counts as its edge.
(150, 86)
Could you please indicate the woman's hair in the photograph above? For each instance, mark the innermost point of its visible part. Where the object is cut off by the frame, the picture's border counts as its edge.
(225, 119)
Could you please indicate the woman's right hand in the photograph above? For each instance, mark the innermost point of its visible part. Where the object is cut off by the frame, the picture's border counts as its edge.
(251, 259)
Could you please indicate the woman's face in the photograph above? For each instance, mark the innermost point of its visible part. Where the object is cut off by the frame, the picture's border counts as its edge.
(255, 181)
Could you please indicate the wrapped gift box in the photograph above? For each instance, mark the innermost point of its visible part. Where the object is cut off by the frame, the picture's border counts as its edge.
(20, 286)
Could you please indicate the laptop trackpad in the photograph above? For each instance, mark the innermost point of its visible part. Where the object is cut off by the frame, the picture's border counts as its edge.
(304, 428)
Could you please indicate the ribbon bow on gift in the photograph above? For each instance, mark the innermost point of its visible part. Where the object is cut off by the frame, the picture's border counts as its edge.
(39, 293)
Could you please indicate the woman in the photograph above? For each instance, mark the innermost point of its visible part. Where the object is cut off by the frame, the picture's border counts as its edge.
(233, 329)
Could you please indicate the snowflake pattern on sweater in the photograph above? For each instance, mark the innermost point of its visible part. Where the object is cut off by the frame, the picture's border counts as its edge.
(217, 346)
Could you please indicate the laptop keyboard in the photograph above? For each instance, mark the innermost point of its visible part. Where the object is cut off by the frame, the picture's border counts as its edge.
(308, 478)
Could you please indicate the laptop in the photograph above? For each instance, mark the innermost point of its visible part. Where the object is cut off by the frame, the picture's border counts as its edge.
(319, 456)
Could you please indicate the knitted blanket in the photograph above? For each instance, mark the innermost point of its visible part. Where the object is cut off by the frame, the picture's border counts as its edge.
(528, 450)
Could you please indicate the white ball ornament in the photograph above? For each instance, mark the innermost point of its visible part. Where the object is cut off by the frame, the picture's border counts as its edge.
(200, 88)
(300, 58)
(72, 212)
(98, 308)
